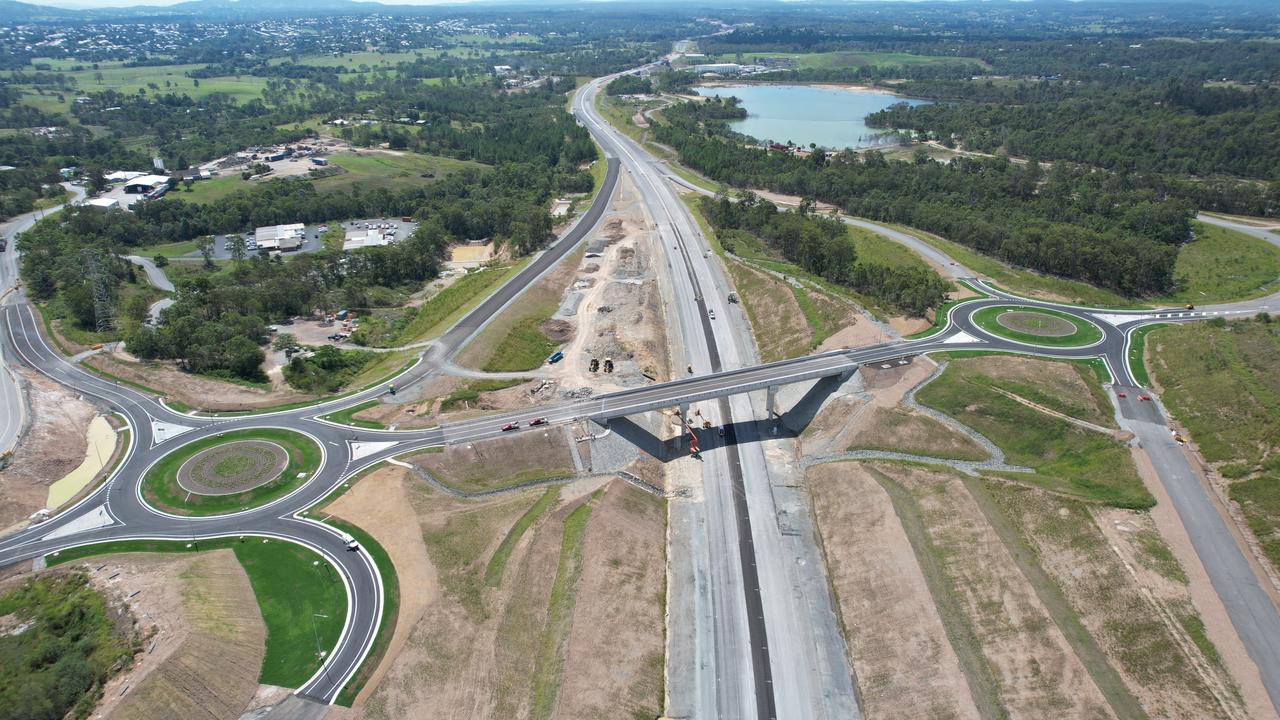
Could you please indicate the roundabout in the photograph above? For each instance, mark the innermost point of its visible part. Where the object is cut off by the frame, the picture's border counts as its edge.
(231, 472)
(1037, 326)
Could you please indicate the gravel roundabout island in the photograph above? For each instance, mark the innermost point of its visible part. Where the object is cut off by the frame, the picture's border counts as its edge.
(232, 472)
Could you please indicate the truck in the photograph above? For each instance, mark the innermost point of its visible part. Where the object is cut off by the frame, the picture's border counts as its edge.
(733, 297)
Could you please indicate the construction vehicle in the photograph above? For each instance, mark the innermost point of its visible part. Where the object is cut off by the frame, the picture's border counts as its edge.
(608, 365)
(1190, 306)
(595, 365)
(391, 389)
(733, 297)
(706, 424)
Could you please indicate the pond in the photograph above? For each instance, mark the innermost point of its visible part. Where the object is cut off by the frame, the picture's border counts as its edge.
(832, 117)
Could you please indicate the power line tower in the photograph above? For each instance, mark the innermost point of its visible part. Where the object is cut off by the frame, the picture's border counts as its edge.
(104, 317)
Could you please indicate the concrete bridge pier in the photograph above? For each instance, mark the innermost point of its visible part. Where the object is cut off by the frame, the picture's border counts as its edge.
(771, 401)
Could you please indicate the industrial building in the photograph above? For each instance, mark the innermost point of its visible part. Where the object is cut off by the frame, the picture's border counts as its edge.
(284, 238)
(146, 184)
(104, 203)
(357, 239)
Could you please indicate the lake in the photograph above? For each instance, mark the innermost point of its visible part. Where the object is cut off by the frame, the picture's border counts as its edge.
(803, 114)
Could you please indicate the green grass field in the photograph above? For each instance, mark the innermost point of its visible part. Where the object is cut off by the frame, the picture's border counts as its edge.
(290, 591)
(129, 80)
(523, 348)
(1223, 265)
(160, 485)
(1085, 333)
(1066, 458)
(369, 169)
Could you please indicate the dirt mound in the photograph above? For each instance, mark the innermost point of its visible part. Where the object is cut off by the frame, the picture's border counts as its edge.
(557, 331)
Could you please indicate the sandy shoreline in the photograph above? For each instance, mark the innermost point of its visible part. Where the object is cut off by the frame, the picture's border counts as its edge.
(845, 87)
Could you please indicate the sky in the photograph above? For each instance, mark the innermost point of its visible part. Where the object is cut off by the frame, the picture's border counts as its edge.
(80, 4)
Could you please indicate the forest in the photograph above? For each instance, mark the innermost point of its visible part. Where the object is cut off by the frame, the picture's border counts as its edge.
(1179, 127)
(1099, 227)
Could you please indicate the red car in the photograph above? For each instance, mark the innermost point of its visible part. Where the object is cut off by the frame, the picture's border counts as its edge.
(1144, 398)
(1120, 394)
(511, 426)
(537, 421)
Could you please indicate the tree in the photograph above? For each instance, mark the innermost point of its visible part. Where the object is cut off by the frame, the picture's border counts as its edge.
(206, 252)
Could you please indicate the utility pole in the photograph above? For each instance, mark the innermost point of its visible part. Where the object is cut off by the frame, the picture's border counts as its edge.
(103, 309)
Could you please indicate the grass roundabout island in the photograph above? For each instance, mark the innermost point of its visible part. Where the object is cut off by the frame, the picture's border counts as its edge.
(1037, 326)
(232, 472)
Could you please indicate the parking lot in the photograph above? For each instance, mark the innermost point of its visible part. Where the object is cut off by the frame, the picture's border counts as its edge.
(311, 241)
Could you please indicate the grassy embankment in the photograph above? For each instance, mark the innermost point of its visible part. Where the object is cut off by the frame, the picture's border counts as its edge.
(1220, 382)
(1066, 458)
(472, 391)
(824, 307)
(514, 341)
(160, 484)
(1220, 265)
(500, 463)
(291, 591)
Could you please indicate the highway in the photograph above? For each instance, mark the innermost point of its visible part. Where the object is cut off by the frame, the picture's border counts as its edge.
(12, 404)
(761, 650)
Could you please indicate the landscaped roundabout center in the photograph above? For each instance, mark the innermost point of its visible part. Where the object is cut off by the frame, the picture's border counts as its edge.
(1037, 326)
(231, 472)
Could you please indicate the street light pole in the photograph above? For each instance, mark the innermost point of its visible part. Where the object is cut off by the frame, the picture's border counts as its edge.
(316, 633)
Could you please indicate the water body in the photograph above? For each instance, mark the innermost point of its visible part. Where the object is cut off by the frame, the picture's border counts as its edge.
(833, 118)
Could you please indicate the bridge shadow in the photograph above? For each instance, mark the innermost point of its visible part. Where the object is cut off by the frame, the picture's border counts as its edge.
(788, 425)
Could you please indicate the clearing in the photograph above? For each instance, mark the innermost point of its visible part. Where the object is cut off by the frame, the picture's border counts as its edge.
(905, 665)
(570, 627)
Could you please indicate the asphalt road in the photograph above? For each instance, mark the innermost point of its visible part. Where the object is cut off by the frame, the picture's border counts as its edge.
(157, 430)
(754, 668)
(12, 404)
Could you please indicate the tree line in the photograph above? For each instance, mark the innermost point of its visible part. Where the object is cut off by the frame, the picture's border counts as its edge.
(1098, 227)
(822, 246)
